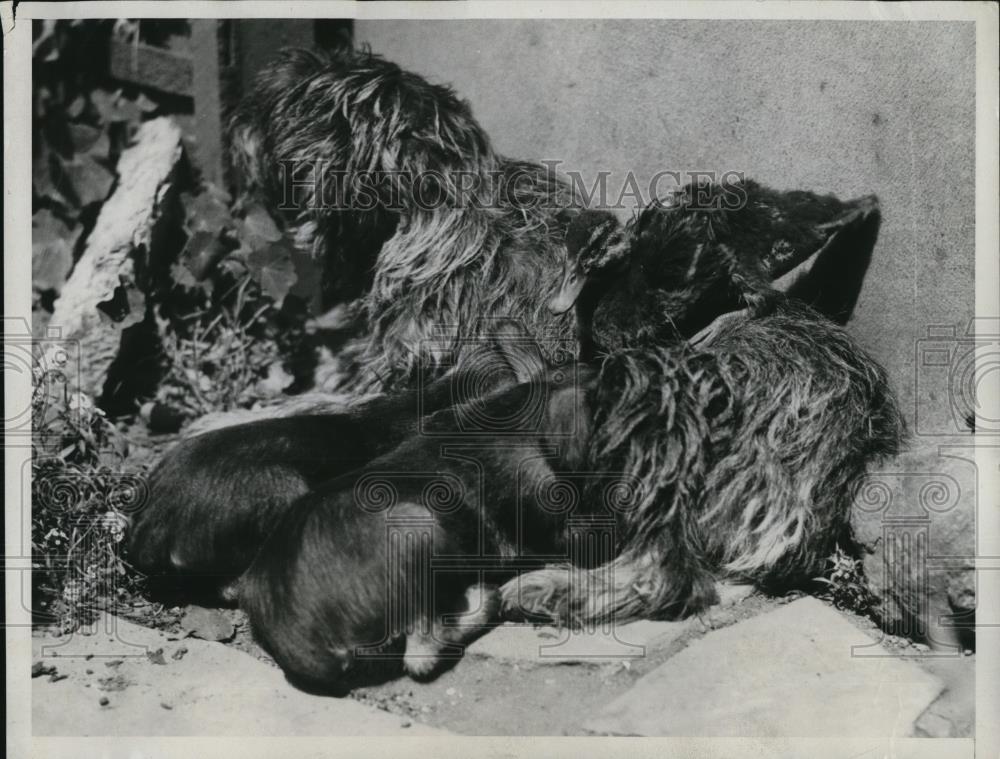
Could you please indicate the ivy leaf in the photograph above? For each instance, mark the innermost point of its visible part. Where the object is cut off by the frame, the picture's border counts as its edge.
(90, 181)
(182, 277)
(308, 280)
(84, 137)
(145, 104)
(272, 268)
(52, 245)
(113, 107)
(41, 177)
(202, 251)
(235, 264)
(206, 212)
(74, 109)
(258, 228)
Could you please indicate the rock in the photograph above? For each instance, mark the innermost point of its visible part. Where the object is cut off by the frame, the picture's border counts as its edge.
(800, 670)
(38, 669)
(953, 714)
(733, 594)
(214, 690)
(932, 725)
(161, 418)
(528, 646)
(207, 624)
(916, 520)
(103, 296)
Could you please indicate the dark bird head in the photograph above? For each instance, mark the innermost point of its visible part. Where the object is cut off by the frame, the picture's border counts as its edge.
(596, 249)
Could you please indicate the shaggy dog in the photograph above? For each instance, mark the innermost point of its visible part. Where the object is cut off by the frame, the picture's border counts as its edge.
(214, 497)
(748, 450)
(740, 459)
(392, 181)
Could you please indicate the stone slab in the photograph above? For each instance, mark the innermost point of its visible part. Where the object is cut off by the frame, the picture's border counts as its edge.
(528, 646)
(137, 682)
(802, 670)
(533, 646)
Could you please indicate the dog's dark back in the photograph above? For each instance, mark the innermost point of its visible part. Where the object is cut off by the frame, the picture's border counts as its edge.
(213, 497)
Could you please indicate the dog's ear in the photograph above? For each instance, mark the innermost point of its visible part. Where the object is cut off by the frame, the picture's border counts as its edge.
(519, 350)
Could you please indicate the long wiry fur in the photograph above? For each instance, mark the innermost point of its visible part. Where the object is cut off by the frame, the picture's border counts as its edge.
(491, 247)
(748, 452)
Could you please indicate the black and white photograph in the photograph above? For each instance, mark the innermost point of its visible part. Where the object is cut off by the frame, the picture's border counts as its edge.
(429, 370)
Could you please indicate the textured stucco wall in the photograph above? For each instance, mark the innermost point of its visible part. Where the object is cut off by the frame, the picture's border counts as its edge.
(842, 107)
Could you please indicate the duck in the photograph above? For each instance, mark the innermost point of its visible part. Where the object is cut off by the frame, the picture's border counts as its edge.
(685, 259)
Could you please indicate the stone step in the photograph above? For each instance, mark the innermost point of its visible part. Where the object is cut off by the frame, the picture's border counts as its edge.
(529, 646)
(802, 670)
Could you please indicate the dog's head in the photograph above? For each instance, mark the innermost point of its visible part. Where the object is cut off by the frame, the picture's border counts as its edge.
(595, 249)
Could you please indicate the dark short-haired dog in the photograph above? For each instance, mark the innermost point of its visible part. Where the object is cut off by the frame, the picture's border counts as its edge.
(214, 497)
(376, 567)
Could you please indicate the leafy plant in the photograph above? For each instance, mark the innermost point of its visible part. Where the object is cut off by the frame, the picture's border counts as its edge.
(81, 495)
(228, 297)
(845, 585)
(228, 326)
(79, 128)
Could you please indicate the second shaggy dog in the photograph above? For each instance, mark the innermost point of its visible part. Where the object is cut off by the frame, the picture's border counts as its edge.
(392, 181)
(749, 452)
(737, 460)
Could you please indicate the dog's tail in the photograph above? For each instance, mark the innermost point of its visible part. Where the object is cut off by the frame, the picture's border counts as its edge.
(634, 586)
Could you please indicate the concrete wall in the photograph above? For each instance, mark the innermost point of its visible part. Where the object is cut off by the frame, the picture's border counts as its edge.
(841, 107)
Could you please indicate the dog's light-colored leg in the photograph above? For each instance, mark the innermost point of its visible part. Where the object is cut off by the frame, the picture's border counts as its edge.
(430, 646)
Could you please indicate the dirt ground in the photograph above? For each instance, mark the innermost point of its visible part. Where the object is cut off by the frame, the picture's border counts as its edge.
(483, 695)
